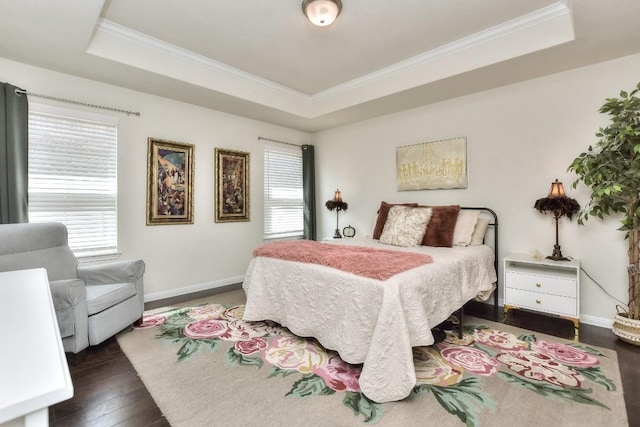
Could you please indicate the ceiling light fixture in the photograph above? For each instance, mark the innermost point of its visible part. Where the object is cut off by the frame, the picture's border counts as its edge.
(321, 12)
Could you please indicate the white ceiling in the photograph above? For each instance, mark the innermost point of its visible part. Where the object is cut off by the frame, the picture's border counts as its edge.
(263, 60)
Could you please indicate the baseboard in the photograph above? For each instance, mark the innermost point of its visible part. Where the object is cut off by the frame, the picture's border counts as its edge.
(192, 288)
(596, 321)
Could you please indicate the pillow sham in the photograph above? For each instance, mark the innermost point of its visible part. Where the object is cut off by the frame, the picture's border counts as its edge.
(465, 224)
(383, 212)
(477, 238)
(405, 226)
(441, 226)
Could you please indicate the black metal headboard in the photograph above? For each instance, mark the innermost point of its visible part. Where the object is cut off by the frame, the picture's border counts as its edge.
(493, 224)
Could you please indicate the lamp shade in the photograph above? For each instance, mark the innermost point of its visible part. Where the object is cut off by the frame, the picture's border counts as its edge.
(322, 12)
(556, 190)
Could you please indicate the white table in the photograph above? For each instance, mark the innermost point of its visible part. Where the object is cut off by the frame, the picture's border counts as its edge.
(33, 368)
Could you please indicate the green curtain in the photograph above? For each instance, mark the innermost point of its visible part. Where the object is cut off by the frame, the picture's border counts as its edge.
(309, 191)
(14, 140)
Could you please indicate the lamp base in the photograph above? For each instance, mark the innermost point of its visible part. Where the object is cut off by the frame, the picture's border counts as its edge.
(337, 234)
(557, 254)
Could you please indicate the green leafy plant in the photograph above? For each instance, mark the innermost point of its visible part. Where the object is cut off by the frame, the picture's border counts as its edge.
(612, 171)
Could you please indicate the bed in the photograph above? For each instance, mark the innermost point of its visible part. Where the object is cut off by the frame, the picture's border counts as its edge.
(370, 321)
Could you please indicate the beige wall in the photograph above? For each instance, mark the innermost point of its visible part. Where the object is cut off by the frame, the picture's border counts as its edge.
(519, 139)
(179, 258)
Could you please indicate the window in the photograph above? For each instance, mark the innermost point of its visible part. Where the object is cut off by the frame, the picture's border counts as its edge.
(283, 201)
(73, 176)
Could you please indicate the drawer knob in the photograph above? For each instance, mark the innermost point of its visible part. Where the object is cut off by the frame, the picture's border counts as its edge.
(538, 301)
(538, 285)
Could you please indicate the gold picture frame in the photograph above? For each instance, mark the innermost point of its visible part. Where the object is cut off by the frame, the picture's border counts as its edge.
(432, 165)
(170, 177)
(232, 186)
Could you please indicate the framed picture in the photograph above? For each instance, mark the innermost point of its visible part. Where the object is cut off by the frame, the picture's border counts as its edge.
(232, 186)
(432, 165)
(169, 182)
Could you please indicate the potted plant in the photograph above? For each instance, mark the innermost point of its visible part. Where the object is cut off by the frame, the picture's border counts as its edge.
(611, 170)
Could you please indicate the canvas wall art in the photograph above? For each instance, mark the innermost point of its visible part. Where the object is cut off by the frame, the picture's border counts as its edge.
(432, 165)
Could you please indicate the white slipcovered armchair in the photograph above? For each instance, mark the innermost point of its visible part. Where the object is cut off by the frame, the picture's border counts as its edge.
(92, 302)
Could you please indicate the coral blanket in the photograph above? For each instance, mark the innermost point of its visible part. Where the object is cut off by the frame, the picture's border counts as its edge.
(377, 264)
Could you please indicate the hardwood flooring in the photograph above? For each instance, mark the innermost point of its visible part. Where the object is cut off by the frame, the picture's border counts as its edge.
(108, 392)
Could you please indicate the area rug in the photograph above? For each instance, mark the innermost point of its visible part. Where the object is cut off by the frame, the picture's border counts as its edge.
(205, 366)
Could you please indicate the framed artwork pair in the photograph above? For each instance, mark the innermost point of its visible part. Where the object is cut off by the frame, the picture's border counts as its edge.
(170, 179)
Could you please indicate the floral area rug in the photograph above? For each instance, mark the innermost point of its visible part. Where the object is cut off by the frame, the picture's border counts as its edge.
(204, 363)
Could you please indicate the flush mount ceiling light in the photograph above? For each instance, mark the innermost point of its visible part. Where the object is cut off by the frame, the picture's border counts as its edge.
(322, 12)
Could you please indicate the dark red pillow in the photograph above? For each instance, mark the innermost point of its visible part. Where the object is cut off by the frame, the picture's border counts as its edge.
(383, 213)
(441, 226)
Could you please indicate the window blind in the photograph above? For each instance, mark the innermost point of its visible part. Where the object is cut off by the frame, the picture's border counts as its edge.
(73, 176)
(283, 201)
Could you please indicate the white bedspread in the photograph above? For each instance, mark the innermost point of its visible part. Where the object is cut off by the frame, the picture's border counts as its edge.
(366, 320)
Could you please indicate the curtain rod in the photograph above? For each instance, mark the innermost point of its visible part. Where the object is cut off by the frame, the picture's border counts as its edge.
(71, 101)
(275, 140)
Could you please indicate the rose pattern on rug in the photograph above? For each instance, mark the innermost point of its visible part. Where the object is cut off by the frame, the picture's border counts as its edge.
(452, 370)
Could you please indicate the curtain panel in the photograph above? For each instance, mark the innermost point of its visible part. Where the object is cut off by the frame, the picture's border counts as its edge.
(14, 143)
(309, 191)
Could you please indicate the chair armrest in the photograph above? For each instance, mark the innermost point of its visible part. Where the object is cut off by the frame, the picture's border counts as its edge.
(67, 292)
(70, 301)
(112, 272)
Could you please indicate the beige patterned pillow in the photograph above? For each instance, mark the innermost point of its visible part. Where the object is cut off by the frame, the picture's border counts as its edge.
(405, 226)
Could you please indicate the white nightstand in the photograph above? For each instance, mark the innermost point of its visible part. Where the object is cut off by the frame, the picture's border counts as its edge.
(545, 286)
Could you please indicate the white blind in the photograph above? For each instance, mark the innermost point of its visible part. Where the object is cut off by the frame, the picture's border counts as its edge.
(73, 176)
(283, 202)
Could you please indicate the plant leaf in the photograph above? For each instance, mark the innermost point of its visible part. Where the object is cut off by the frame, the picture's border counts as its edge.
(361, 405)
(574, 394)
(309, 385)
(236, 358)
(462, 399)
(188, 349)
(596, 375)
(284, 372)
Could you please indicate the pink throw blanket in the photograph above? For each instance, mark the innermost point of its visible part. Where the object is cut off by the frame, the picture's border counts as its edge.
(378, 264)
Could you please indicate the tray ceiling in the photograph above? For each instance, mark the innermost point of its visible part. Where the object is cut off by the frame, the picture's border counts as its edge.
(265, 61)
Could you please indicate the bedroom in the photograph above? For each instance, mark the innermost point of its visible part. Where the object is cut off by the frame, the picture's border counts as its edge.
(521, 136)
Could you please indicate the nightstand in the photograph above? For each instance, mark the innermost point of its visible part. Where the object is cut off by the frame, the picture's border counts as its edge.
(545, 286)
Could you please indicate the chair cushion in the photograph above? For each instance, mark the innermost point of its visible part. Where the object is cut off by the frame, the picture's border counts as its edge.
(101, 297)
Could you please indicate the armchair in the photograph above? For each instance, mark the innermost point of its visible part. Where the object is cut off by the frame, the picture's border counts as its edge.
(92, 302)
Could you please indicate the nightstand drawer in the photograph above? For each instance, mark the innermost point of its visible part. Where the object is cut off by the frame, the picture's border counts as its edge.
(541, 284)
(555, 304)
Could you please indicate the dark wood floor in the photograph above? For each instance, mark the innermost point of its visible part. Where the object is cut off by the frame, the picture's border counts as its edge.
(108, 392)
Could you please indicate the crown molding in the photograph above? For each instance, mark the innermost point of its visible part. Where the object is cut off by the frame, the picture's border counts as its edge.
(535, 18)
(144, 40)
(541, 29)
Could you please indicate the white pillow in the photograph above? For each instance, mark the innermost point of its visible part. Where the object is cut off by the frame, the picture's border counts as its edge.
(465, 224)
(477, 238)
(405, 226)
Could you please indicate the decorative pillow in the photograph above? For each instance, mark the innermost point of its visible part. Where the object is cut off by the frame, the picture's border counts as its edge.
(405, 226)
(441, 227)
(477, 238)
(383, 212)
(465, 224)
